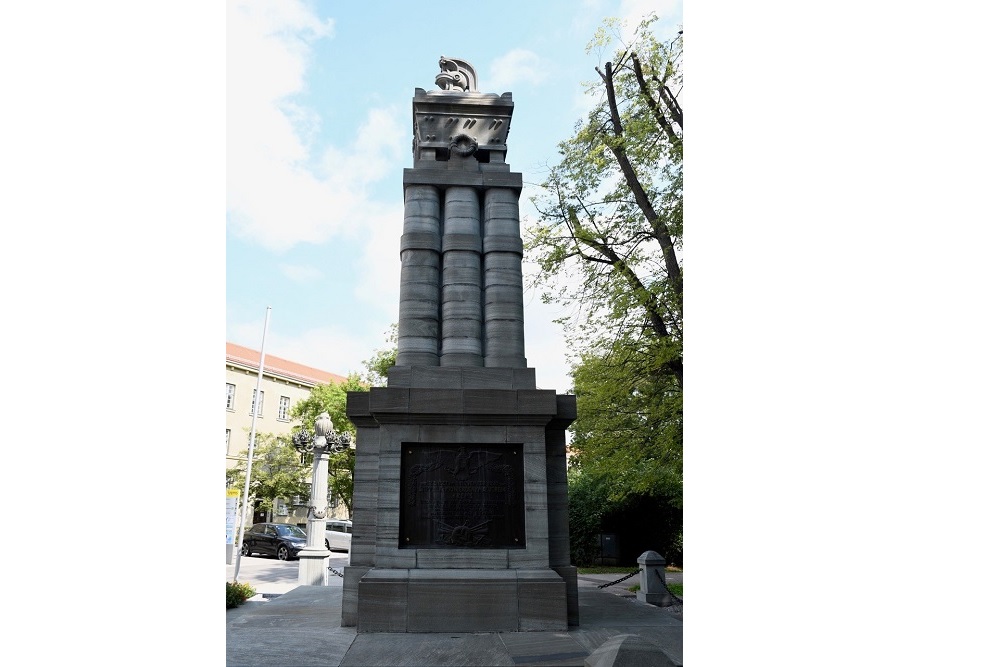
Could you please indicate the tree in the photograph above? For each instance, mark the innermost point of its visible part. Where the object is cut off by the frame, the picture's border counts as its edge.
(608, 244)
(628, 431)
(277, 470)
(385, 358)
(612, 209)
(332, 398)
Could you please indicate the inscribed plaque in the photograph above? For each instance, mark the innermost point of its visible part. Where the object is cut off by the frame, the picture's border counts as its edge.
(462, 496)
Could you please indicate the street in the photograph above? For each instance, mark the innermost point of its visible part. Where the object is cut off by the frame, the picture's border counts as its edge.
(270, 576)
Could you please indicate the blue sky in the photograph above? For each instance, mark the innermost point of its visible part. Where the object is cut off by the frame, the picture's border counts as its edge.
(318, 134)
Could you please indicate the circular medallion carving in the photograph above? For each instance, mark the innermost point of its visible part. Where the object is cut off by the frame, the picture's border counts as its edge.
(464, 145)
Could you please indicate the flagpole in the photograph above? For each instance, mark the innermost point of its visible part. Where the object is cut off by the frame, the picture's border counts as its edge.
(255, 406)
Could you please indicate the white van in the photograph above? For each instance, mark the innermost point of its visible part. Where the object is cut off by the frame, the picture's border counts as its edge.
(338, 535)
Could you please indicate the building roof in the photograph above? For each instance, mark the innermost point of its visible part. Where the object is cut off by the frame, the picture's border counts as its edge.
(245, 356)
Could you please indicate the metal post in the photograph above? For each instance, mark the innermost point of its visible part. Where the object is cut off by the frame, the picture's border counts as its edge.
(253, 437)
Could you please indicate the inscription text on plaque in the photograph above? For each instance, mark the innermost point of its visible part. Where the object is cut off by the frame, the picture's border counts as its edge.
(461, 496)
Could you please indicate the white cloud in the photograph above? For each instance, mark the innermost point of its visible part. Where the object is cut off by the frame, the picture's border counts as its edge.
(276, 195)
(668, 11)
(379, 268)
(515, 69)
(301, 274)
(336, 348)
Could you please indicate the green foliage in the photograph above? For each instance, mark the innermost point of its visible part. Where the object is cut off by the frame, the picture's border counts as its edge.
(641, 522)
(608, 244)
(277, 470)
(332, 398)
(237, 593)
(587, 506)
(379, 364)
(629, 431)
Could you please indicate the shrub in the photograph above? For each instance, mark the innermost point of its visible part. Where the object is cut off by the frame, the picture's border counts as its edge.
(237, 593)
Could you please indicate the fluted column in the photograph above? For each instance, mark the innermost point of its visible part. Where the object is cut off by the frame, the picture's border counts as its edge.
(503, 286)
(461, 276)
(420, 279)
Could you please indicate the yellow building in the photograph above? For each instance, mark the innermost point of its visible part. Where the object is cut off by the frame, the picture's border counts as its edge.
(283, 384)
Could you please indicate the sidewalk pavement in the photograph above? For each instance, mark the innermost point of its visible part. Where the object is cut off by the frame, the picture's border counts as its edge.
(288, 624)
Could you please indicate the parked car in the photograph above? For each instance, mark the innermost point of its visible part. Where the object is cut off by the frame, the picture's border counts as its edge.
(338, 535)
(274, 539)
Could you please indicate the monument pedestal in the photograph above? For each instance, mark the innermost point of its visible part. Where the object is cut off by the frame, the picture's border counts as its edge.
(460, 516)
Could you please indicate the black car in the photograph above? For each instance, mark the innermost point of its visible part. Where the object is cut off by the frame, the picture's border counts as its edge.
(278, 539)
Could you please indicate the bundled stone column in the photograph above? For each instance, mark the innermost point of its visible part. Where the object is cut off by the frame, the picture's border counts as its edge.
(461, 275)
(419, 285)
(503, 289)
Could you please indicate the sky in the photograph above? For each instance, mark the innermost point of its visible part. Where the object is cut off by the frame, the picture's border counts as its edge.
(319, 129)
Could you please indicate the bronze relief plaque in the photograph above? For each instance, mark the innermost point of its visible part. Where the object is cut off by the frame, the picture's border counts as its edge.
(461, 496)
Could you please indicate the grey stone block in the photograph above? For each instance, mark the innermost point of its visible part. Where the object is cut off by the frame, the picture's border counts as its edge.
(462, 601)
(401, 376)
(437, 377)
(569, 575)
(541, 600)
(389, 555)
(489, 401)
(493, 559)
(358, 411)
(487, 378)
(349, 603)
(382, 601)
(365, 468)
(362, 553)
(538, 401)
(435, 400)
(533, 557)
(530, 435)
(388, 399)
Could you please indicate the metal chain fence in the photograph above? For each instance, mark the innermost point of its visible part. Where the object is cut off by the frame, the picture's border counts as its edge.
(630, 574)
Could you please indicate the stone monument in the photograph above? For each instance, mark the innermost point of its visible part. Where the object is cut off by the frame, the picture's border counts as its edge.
(460, 502)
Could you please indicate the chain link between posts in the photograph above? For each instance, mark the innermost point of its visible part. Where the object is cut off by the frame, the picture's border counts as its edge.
(630, 574)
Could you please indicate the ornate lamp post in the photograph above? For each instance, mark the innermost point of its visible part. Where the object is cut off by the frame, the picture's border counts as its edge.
(314, 558)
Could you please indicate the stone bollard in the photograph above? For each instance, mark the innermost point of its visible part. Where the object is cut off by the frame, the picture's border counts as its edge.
(652, 586)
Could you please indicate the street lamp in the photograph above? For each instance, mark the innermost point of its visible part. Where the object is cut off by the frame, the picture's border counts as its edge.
(314, 558)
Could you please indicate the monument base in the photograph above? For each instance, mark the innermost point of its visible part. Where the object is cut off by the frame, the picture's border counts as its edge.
(461, 600)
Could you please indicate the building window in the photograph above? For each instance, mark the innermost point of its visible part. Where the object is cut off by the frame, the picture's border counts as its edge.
(283, 404)
(260, 407)
(228, 432)
(230, 396)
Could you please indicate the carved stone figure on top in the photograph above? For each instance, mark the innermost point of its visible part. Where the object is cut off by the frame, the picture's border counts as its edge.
(457, 76)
